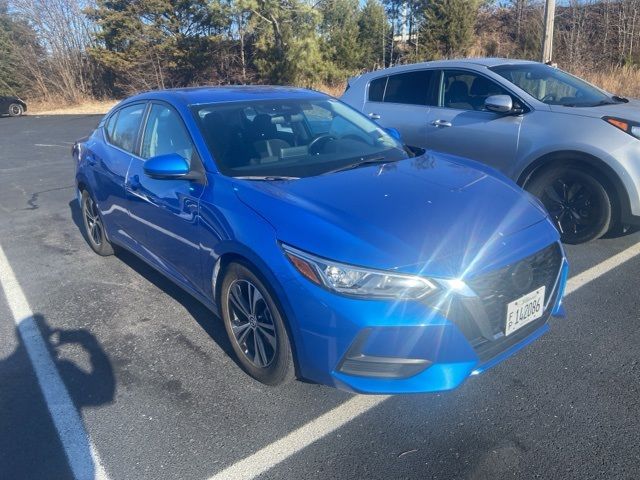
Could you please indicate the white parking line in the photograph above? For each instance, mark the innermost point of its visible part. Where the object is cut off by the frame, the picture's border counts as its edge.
(600, 269)
(79, 449)
(280, 450)
(276, 452)
(81, 454)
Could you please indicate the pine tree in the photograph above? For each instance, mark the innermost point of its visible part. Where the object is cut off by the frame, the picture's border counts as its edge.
(9, 82)
(373, 35)
(157, 44)
(340, 37)
(16, 37)
(448, 27)
(287, 49)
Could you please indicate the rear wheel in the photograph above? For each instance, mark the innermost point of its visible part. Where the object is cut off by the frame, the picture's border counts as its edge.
(15, 110)
(94, 226)
(255, 326)
(577, 201)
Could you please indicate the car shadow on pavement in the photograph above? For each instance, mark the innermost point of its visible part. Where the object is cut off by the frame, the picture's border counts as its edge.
(208, 321)
(621, 232)
(29, 443)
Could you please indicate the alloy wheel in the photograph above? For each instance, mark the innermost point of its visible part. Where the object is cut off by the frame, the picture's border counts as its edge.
(252, 323)
(574, 206)
(93, 221)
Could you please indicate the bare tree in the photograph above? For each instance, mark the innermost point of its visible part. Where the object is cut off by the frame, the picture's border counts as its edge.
(61, 67)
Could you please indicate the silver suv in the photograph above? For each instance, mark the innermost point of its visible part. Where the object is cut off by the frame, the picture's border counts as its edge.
(574, 146)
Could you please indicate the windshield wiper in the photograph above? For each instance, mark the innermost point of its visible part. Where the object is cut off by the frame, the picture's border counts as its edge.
(604, 102)
(620, 99)
(588, 105)
(363, 163)
(268, 178)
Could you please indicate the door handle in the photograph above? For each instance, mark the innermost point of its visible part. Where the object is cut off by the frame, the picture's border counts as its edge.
(134, 183)
(374, 116)
(441, 123)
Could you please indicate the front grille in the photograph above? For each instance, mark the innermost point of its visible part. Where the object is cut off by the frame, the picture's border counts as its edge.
(497, 288)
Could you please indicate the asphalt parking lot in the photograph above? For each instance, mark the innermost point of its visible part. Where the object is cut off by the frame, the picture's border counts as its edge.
(150, 373)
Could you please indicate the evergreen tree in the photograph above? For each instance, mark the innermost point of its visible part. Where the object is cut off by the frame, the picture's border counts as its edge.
(16, 39)
(287, 47)
(340, 29)
(448, 28)
(157, 44)
(9, 82)
(373, 35)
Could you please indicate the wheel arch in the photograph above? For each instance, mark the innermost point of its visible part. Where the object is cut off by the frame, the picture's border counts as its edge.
(612, 182)
(82, 185)
(252, 261)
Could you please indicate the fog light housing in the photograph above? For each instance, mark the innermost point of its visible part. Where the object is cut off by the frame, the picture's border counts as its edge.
(356, 363)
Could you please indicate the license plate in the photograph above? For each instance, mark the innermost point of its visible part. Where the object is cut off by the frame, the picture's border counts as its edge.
(524, 310)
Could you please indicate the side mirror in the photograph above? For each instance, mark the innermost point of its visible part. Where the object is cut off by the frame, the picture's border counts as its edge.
(166, 166)
(499, 103)
(394, 133)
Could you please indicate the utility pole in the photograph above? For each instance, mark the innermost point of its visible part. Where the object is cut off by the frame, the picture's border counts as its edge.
(547, 42)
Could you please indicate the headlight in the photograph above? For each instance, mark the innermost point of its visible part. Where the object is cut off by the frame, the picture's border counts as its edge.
(358, 281)
(632, 128)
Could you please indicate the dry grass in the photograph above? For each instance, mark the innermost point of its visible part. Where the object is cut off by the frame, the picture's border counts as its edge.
(333, 90)
(623, 81)
(85, 107)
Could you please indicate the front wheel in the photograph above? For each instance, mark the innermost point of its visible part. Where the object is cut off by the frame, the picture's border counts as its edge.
(15, 110)
(255, 326)
(94, 226)
(577, 202)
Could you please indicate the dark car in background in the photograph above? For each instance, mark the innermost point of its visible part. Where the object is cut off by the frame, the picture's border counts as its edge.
(12, 106)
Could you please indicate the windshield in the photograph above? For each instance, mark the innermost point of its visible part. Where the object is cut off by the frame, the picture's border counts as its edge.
(553, 86)
(291, 138)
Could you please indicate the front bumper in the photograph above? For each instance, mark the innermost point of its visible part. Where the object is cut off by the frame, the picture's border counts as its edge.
(387, 347)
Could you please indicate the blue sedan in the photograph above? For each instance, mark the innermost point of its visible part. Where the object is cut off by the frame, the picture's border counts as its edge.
(330, 251)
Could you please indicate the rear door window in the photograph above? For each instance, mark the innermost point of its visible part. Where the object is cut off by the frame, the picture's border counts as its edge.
(376, 89)
(108, 127)
(126, 127)
(412, 88)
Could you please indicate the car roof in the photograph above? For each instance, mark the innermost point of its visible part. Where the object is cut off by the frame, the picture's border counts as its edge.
(452, 63)
(227, 93)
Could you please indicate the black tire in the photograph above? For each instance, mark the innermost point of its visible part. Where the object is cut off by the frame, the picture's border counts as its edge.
(259, 338)
(94, 231)
(15, 110)
(576, 200)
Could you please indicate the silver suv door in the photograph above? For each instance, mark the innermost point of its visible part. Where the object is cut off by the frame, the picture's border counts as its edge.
(402, 101)
(460, 124)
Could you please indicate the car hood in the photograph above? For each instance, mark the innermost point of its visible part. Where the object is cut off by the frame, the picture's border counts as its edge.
(432, 214)
(628, 111)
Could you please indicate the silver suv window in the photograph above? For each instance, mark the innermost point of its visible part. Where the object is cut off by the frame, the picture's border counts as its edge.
(465, 90)
(553, 86)
(410, 88)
